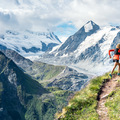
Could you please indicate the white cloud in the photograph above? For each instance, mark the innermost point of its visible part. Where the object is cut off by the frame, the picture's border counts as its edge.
(101, 11)
(47, 14)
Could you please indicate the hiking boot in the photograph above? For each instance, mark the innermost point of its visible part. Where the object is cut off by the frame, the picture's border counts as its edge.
(118, 74)
(110, 75)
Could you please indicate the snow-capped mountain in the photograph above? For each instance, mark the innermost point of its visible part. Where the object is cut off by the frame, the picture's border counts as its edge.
(28, 42)
(74, 41)
(87, 49)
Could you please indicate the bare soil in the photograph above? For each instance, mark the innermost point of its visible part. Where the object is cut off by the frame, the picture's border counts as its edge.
(106, 89)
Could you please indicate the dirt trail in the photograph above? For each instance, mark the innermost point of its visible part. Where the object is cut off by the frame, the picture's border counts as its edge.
(108, 87)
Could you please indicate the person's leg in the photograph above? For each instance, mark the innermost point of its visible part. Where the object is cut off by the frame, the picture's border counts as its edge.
(118, 68)
(114, 67)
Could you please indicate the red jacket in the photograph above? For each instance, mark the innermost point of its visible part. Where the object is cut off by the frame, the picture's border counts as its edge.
(116, 55)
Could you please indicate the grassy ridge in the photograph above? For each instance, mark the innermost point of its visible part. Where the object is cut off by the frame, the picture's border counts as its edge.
(83, 105)
(43, 71)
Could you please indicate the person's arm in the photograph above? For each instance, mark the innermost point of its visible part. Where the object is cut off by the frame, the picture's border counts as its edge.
(110, 51)
(119, 50)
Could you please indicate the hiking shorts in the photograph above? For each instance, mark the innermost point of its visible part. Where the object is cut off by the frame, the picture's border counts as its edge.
(115, 60)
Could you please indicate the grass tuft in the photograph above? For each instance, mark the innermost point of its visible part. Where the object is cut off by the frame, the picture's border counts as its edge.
(113, 104)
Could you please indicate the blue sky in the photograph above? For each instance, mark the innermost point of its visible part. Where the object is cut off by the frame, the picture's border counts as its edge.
(64, 17)
(63, 31)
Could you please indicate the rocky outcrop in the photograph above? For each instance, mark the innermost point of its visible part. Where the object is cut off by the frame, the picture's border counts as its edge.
(22, 62)
(69, 79)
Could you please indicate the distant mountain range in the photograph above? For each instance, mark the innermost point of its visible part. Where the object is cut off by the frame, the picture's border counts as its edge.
(28, 42)
(87, 48)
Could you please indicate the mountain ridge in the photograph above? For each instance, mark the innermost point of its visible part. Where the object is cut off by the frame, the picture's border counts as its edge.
(49, 75)
(23, 98)
(28, 42)
(16, 88)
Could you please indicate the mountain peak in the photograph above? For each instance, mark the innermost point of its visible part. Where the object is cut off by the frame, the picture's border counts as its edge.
(90, 25)
(90, 21)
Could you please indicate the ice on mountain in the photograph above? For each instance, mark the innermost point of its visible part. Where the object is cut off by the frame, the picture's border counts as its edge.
(2, 36)
(29, 41)
(88, 27)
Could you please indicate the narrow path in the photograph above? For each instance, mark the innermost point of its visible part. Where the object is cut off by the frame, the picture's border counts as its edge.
(108, 87)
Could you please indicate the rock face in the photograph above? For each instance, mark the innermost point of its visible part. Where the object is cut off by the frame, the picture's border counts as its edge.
(22, 62)
(69, 79)
(75, 40)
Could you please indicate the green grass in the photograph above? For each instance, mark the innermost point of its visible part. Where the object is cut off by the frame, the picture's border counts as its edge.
(43, 71)
(32, 87)
(28, 84)
(113, 104)
(45, 107)
(83, 105)
(61, 96)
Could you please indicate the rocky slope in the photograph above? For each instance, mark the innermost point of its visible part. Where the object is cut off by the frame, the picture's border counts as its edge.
(22, 62)
(50, 75)
(69, 79)
(75, 40)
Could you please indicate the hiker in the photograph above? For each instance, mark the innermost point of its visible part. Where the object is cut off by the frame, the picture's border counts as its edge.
(115, 59)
